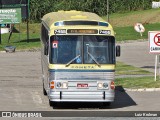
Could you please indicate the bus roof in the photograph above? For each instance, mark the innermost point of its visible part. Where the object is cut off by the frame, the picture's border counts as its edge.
(53, 17)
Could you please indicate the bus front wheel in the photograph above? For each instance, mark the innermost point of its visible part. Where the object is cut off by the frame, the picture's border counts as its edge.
(52, 104)
(44, 91)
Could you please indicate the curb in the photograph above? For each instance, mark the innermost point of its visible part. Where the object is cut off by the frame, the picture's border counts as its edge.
(31, 50)
(2, 51)
(143, 89)
(131, 41)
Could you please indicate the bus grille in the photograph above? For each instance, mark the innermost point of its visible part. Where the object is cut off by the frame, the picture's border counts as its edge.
(83, 75)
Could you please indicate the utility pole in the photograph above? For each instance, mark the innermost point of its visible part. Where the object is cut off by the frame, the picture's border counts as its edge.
(108, 10)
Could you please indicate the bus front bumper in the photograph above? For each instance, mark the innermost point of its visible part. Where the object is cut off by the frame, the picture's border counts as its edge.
(100, 96)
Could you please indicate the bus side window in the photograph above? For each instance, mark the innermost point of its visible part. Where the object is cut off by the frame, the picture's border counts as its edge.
(45, 39)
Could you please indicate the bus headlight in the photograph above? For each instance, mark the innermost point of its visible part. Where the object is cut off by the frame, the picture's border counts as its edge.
(62, 85)
(102, 85)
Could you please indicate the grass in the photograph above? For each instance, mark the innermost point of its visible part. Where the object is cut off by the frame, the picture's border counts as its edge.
(140, 82)
(130, 18)
(128, 32)
(19, 37)
(124, 69)
(123, 23)
(147, 81)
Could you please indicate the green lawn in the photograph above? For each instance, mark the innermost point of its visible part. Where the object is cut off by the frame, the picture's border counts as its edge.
(138, 82)
(130, 18)
(124, 69)
(123, 23)
(19, 37)
(147, 81)
(128, 32)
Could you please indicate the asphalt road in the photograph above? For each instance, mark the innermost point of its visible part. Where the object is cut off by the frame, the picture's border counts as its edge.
(137, 54)
(21, 89)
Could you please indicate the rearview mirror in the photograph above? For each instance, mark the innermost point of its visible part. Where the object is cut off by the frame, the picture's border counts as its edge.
(118, 51)
(46, 49)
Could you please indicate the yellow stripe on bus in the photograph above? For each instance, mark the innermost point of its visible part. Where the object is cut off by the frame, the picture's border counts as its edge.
(82, 67)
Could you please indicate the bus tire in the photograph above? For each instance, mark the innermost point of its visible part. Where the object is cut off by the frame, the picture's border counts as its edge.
(44, 91)
(51, 103)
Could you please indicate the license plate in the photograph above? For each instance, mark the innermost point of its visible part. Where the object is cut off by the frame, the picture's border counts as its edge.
(81, 85)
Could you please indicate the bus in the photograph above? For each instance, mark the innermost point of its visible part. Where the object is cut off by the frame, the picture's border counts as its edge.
(78, 57)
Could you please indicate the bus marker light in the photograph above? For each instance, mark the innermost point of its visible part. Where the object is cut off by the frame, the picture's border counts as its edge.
(52, 87)
(52, 84)
(112, 85)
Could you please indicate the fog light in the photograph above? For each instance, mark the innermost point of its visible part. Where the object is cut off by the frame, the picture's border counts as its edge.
(59, 84)
(52, 84)
(105, 85)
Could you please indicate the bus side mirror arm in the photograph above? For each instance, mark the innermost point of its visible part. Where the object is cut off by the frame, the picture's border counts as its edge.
(118, 51)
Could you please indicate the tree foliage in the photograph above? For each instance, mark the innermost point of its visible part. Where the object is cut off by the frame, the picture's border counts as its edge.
(38, 7)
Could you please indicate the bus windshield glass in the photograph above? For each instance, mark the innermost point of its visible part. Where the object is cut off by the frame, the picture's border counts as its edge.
(82, 49)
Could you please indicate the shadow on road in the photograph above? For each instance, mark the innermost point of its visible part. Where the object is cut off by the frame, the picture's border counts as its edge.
(148, 67)
(30, 40)
(122, 99)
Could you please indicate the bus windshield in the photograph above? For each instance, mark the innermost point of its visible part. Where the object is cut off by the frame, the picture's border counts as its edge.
(82, 49)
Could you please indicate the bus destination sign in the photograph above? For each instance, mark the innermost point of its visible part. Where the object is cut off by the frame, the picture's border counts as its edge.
(82, 31)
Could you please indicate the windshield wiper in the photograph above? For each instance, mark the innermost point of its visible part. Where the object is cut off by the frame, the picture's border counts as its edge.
(72, 60)
(94, 59)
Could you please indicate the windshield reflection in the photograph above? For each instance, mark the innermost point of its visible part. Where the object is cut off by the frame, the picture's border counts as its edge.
(90, 49)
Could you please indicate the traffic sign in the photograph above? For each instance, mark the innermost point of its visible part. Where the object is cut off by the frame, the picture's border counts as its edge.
(154, 41)
(157, 39)
(10, 16)
(139, 27)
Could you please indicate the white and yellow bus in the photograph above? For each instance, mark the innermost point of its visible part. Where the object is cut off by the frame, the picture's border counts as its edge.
(78, 57)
